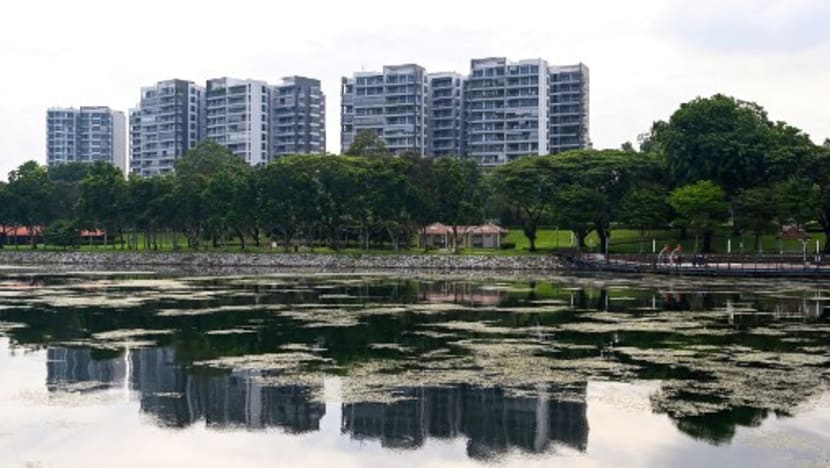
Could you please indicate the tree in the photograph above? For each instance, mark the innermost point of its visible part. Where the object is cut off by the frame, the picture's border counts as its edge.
(527, 185)
(644, 206)
(826, 143)
(286, 198)
(458, 193)
(578, 207)
(63, 233)
(194, 171)
(702, 207)
(590, 185)
(369, 144)
(755, 212)
(388, 196)
(720, 139)
(66, 187)
(336, 196)
(796, 202)
(230, 202)
(6, 208)
(819, 171)
(628, 147)
(30, 191)
(103, 198)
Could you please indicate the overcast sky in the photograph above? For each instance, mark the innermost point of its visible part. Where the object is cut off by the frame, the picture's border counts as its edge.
(646, 56)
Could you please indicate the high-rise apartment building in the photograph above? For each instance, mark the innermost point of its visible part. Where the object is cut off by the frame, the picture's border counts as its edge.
(88, 134)
(168, 121)
(569, 108)
(506, 109)
(446, 114)
(238, 117)
(501, 111)
(393, 103)
(298, 117)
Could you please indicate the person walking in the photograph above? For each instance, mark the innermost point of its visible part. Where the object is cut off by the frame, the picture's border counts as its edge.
(663, 256)
(677, 255)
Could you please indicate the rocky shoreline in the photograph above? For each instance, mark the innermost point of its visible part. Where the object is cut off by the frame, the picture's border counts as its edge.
(320, 262)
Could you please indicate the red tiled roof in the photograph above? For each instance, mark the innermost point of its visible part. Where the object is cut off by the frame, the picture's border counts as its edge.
(21, 231)
(95, 233)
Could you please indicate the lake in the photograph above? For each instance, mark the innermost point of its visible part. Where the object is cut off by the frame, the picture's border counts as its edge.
(135, 369)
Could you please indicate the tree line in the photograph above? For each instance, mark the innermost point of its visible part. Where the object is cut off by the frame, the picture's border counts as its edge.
(717, 163)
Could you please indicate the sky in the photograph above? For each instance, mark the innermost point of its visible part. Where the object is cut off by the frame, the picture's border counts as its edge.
(646, 56)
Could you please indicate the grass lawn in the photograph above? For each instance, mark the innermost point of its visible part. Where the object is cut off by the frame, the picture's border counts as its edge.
(548, 241)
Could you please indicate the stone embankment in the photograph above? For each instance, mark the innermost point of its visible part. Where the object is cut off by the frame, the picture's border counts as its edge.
(195, 260)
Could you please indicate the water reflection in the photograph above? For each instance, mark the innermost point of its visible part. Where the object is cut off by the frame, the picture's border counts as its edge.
(492, 421)
(501, 365)
(68, 367)
(176, 398)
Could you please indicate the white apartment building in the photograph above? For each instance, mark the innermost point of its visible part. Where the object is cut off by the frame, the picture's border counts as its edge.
(446, 114)
(393, 103)
(298, 117)
(569, 108)
(168, 121)
(237, 116)
(506, 109)
(88, 134)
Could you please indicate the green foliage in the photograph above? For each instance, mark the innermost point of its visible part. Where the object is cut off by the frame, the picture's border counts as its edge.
(30, 196)
(591, 185)
(63, 233)
(368, 143)
(795, 202)
(458, 192)
(719, 139)
(527, 186)
(194, 172)
(755, 212)
(103, 198)
(645, 206)
(700, 206)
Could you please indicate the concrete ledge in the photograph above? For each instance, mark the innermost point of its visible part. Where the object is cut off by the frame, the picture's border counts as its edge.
(280, 260)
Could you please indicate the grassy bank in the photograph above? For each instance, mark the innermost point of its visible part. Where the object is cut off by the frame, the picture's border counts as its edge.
(548, 241)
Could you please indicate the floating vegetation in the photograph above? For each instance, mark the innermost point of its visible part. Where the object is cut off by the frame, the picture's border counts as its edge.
(118, 335)
(391, 347)
(474, 327)
(216, 310)
(231, 331)
(7, 326)
(319, 318)
(265, 362)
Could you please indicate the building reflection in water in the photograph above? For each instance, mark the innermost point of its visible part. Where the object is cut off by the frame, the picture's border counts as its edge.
(80, 369)
(492, 420)
(177, 399)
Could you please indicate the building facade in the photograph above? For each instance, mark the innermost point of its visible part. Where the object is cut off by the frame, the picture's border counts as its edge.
(298, 117)
(501, 111)
(168, 121)
(569, 108)
(506, 109)
(392, 103)
(446, 114)
(238, 117)
(88, 134)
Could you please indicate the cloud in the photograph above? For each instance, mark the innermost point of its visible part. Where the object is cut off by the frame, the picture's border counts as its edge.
(751, 26)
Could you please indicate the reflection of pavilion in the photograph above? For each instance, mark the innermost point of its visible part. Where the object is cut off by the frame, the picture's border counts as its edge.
(460, 293)
(179, 399)
(492, 421)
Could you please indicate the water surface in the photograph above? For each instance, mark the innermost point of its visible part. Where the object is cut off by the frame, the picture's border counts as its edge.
(128, 369)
